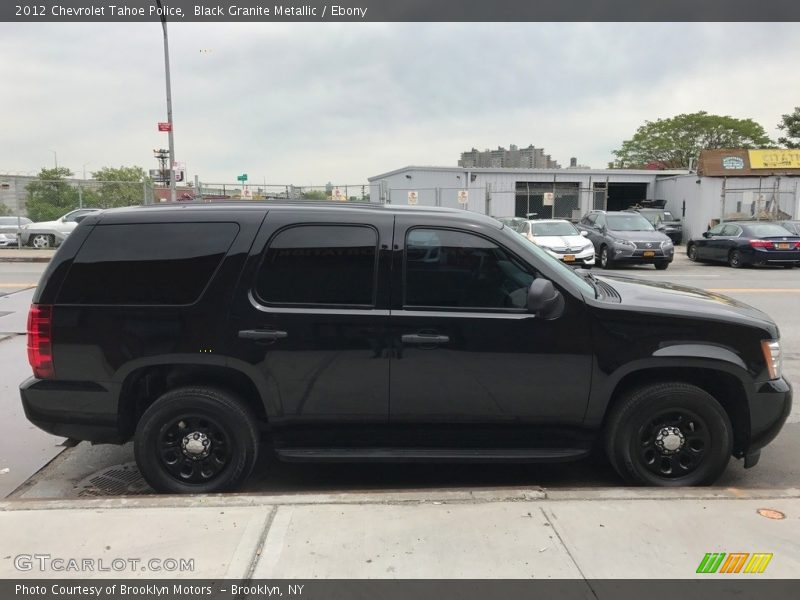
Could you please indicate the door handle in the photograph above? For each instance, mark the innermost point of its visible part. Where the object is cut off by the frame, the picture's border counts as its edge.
(262, 334)
(424, 338)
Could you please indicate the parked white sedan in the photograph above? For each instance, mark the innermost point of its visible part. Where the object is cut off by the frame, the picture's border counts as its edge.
(561, 239)
(49, 234)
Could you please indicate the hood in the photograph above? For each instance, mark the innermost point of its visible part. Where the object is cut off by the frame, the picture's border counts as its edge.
(674, 299)
(41, 224)
(638, 236)
(575, 242)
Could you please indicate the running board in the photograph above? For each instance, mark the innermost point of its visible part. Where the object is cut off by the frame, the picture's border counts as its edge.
(431, 454)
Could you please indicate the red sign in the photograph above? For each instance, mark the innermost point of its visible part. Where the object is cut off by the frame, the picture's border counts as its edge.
(165, 126)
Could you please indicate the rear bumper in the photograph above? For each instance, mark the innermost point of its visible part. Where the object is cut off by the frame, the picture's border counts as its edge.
(759, 256)
(79, 410)
(770, 406)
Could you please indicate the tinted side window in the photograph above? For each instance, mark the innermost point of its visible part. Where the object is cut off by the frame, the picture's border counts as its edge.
(730, 230)
(717, 229)
(589, 219)
(455, 269)
(600, 221)
(147, 263)
(320, 264)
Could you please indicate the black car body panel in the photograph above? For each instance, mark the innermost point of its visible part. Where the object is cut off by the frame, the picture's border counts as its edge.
(369, 360)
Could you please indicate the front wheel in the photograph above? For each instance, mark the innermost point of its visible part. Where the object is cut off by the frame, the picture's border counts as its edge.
(605, 259)
(661, 266)
(42, 240)
(669, 434)
(691, 252)
(196, 440)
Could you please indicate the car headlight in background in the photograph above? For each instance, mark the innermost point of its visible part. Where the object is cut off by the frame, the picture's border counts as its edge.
(666, 244)
(772, 356)
(624, 244)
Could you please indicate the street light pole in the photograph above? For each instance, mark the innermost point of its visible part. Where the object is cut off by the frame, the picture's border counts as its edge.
(55, 158)
(169, 103)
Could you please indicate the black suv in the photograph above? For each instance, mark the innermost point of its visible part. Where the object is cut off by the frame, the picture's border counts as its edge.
(343, 333)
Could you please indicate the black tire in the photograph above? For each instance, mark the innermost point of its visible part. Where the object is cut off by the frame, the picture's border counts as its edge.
(605, 259)
(214, 416)
(41, 241)
(735, 259)
(791, 266)
(661, 266)
(691, 252)
(648, 416)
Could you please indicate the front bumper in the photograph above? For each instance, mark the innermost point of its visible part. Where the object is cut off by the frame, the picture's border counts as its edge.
(80, 410)
(770, 406)
(626, 255)
(583, 258)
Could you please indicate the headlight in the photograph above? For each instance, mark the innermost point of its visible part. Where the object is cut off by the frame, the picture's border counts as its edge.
(772, 356)
(624, 244)
(666, 244)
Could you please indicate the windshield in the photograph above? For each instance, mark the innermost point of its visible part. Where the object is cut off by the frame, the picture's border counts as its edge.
(628, 223)
(553, 228)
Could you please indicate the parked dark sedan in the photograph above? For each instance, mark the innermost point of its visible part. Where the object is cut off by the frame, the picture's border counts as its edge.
(747, 243)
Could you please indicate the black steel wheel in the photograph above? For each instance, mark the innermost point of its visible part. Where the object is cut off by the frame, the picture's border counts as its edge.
(669, 434)
(196, 440)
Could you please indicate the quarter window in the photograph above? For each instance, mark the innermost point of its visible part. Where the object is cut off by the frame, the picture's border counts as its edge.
(454, 269)
(147, 263)
(320, 264)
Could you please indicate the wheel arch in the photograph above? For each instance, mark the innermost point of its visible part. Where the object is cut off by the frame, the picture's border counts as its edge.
(143, 385)
(724, 386)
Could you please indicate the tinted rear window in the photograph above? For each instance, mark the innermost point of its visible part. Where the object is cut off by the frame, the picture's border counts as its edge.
(320, 264)
(147, 264)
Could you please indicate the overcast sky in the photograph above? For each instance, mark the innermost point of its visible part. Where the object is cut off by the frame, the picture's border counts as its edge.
(310, 103)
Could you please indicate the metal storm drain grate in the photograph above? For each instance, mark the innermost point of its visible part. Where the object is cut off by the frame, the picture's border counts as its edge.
(118, 480)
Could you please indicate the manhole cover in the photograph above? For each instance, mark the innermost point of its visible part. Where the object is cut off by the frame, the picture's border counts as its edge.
(118, 480)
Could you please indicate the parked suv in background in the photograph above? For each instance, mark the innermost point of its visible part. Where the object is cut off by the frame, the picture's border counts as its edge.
(626, 237)
(327, 331)
(49, 234)
(663, 221)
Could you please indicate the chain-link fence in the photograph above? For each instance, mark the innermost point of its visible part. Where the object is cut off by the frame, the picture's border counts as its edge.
(47, 199)
(773, 199)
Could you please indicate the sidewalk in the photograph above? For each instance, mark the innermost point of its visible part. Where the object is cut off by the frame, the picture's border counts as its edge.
(25, 255)
(582, 534)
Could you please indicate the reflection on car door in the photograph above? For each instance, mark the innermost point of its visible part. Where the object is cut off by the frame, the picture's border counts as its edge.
(468, 350)
(310, 319)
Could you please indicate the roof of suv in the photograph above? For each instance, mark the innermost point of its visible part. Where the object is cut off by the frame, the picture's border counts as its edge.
(131, 213)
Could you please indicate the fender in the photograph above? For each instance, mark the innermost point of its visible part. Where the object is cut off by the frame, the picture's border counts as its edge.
(676, 356)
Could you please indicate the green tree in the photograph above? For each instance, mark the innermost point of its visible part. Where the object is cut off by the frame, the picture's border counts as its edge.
(4, 210)
(791, 125)
(315, 195)
(671, 143)
(123, 186)
(51, 196)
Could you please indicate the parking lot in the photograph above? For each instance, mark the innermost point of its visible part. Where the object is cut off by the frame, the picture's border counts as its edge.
(84, 470)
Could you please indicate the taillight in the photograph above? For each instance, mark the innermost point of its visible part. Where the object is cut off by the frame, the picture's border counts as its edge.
(40, 341)
(760, 244)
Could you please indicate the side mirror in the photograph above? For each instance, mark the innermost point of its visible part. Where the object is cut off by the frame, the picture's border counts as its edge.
(706, 234)
(544, 300)
(585, 233)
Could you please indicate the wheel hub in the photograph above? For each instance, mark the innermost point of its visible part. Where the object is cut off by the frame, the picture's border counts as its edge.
(669, 440)
(196, 445)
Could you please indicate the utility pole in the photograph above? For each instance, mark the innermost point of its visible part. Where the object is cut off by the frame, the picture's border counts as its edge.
(169, 104)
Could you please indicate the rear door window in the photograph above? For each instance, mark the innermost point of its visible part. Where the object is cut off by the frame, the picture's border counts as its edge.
(154, 263)
(320, 265)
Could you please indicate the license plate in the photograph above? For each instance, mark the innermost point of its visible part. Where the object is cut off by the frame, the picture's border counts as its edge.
(649, 253)
(782, 246)
(569, 258)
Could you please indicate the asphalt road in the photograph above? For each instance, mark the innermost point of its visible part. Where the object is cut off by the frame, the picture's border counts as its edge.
(774, 290)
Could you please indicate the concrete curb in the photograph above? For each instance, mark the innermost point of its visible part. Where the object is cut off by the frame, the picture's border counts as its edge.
(20, 259)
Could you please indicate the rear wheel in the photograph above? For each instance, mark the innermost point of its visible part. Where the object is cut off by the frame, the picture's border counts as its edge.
(735, 259)
(669, 434)
(196, 440)
(691, 252)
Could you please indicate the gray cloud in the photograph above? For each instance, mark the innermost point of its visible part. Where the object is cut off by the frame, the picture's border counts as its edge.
(307, 103)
